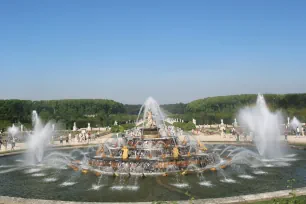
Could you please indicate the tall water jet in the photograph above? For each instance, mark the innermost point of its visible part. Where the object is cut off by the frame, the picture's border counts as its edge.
(38, 139)
(157, 114)
(265, 126)
(295, 123)
(12, 132)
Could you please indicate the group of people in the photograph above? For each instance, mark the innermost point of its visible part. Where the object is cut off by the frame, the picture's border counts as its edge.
(79, 138)
(68, 138)
(4, 144)
(299, 131)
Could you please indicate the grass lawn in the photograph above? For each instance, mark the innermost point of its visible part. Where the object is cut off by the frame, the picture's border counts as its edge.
(296, 200)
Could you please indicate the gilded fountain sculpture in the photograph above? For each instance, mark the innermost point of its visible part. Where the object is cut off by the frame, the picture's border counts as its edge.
(153, 149)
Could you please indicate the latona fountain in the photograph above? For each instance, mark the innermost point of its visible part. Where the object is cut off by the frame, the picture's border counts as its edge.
(151, 162)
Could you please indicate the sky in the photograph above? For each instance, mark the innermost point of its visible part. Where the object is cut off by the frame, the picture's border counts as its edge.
(174, 51)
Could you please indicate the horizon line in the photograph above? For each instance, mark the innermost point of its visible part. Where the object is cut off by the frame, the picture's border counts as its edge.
(33, 100)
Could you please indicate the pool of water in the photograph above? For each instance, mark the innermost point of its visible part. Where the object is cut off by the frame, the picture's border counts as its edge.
(44, 181)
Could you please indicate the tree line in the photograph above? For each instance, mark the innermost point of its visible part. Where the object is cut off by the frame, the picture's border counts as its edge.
(96, 111)
(212, 109)
(101, 112)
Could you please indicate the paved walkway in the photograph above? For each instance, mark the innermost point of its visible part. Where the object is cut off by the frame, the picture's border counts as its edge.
(22, 146)
(230, 138)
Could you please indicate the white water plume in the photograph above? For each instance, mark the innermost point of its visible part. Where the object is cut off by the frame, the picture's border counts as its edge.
(95, 187)
(259, 172)
(48, 180)
(38, 175)
(295, 123)
(266, 127)
(181, 185)
(228, 180)
(131, 188)
(12, 132)
(38, 139)
(151, 105)
(67, 183)
(206, 183)
(246, 176)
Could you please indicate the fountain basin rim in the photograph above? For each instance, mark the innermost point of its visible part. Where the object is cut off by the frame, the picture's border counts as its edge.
(108, 173)
(224, 200)
(22, 151)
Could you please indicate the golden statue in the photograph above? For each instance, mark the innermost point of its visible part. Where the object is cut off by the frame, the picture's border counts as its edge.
(175, 152)
(201, 146)
(99, 151)
(125, 152)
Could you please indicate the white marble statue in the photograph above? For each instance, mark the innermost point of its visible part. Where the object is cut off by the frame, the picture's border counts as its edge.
(74, 127)
(115, 123)
(235, 123)
(288, 121)
(194, 122)
(88, 128)
(150, 121)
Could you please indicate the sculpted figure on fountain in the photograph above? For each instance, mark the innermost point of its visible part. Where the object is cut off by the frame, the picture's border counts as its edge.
(150, 122)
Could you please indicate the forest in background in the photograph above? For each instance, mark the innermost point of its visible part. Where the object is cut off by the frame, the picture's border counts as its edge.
(101, 112)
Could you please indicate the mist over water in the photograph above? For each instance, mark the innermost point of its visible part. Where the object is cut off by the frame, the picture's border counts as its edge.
(265, 127)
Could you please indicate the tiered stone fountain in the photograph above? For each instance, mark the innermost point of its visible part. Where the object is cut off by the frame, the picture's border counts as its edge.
(153, 149)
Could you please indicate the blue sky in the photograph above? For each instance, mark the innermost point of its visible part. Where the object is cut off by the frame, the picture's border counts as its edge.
(175, 51)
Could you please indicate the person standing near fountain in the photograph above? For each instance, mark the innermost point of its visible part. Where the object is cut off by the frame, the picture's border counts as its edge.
(13, 144)
(286, 132)
(5, 144)
(297, 131)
